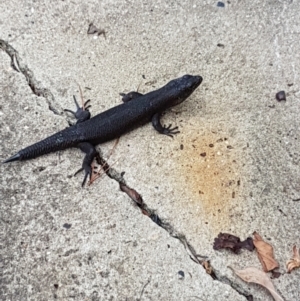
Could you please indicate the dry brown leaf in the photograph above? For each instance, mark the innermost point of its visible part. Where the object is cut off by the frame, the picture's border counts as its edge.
(207, 267)
(133, 194)
(265, 253)
(294, 262)
(255, 275)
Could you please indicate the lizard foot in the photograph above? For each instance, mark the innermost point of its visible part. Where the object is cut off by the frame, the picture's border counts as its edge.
(82, 113)
(88, 173)
(170, 131)
(129, 96)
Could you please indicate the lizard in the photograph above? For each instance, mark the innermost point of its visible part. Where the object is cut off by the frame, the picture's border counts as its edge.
(136, 110)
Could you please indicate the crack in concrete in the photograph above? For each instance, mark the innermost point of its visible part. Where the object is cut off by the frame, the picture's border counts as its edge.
(36, 87)
(39, 90)
(139, 202)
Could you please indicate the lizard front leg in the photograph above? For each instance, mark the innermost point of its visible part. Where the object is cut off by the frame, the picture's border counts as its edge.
(163, 129)
(130, 96)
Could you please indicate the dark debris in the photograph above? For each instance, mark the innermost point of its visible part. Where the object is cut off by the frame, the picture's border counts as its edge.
(228, 241)
(67, 226)
(180, 275)
(94, 30)
(280, 96)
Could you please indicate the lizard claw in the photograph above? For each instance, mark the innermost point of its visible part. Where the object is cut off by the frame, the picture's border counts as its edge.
(85, 178)
(78, 171)
(170, 131)
(88, 172)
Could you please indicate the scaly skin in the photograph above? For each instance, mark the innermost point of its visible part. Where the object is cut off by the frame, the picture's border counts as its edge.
(136, 110)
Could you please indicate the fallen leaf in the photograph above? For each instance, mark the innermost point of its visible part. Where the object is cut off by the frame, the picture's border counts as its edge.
(134, 195)
(208, 268)
(294, 262)
(275, 274)
(229, 241)
(252, 274)
(265, 253)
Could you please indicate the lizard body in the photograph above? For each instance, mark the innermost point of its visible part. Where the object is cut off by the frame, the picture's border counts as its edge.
(136, 110)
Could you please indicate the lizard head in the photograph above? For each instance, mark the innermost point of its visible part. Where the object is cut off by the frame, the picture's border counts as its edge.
(183, 87)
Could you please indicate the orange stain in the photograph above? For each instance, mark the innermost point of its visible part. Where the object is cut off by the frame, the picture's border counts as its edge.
(210, 171)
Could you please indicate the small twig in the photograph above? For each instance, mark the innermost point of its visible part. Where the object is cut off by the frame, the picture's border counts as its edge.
(262, 192)
(98, 173)
(15, 62)
(114, 147)
(137, 90)
(81, 96)
(144, 288)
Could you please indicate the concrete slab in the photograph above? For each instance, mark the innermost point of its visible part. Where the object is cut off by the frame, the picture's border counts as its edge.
(233, 168)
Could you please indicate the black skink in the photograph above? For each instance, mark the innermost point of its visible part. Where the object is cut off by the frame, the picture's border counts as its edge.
(136, 110)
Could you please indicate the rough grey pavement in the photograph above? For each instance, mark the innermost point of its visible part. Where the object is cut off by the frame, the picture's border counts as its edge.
(234, 167)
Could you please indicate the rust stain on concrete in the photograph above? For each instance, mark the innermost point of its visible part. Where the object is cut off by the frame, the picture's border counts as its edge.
(209, 169)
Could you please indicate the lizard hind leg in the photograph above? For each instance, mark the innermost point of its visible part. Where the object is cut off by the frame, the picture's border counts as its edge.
(90, 154)
(82, 113)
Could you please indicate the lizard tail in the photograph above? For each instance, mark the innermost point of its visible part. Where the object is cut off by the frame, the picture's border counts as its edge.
(59, 141)
(15, 157)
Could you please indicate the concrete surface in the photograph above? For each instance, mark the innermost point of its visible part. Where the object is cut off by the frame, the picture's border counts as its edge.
(249, 180)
